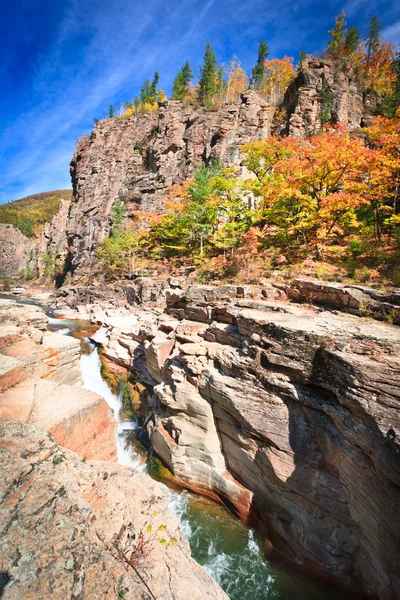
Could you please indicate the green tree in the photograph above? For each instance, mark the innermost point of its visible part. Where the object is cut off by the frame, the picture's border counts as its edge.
(258, 72)
(208, 80)
(352, 40)
(154, 84)
(372, 39)
(116, 254)
(302, 57)
(338, 35)
(180, 86)
(111, 112)
(146, 96)
(326, 103)
(392, 102)
(118, 214)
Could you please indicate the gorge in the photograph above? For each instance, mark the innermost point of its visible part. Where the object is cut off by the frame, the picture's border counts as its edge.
(273, 398)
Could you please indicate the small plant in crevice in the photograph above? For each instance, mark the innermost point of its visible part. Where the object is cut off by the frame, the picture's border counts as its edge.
(131, 548)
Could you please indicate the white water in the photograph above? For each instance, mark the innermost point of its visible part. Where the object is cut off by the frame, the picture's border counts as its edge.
(93, 381)
(222, 545)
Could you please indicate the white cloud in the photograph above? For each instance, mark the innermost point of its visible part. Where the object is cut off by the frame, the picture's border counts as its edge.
(392, 33)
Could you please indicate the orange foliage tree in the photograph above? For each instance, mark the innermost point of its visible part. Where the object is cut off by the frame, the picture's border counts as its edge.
(310, 190)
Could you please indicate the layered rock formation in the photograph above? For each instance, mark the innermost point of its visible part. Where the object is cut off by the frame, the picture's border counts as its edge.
(17, 252)
(282, 410)
(40, 382)
(324, 91)
(93, 530)
(136, 159)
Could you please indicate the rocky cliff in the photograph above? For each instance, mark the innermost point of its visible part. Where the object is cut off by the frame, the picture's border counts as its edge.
(324, 91)
(70, 527)
(282, 411)
(138, 158)
(17, 252)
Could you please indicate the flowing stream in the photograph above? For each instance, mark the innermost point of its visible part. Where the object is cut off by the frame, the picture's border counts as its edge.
(230, 551)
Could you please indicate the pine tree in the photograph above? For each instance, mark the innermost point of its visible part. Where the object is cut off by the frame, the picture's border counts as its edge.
(392, 102)
(352, 40)
(154, 85)
(145, 92)
(180, 86)
(338, 35)
(208, 83)
(373, 37)
(111, 112)
(258, 72)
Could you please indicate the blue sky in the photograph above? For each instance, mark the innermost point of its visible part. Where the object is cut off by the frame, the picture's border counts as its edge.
(62, 63)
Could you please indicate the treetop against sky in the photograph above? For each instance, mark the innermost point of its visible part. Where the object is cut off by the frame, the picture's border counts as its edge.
(63, 63)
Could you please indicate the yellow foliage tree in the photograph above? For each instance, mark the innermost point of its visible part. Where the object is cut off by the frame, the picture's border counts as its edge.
(280, 72)
(237, 81)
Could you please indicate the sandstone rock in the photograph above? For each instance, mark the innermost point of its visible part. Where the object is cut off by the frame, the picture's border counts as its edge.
(282, 410)
(157, 352)
(67, 524)
(12, 370)
(78, 419)
(359, 300)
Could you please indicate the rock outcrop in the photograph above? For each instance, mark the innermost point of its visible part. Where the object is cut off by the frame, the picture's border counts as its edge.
(325, 90)
(40, 382)
(136, 159)
(17, 252)
(281, 410)
(92, 530)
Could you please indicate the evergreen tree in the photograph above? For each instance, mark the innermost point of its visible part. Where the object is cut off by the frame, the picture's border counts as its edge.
(392, 102)
(338, 35)
(208, 83)
(302, 56)
(111, 112)
(145, 92)
(258, 72)
(372, 38)
(352, 40)
(154, 85)
(181, 82)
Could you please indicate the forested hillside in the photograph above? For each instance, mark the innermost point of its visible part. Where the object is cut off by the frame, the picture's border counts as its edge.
(30, 214)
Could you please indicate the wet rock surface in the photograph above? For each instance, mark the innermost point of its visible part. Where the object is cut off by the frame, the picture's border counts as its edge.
(282, 410)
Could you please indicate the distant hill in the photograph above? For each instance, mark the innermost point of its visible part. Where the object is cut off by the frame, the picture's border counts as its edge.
(31, 213)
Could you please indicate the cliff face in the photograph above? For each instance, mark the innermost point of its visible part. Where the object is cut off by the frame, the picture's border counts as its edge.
(21, 253)
(136, 159)
(324, 90)
(281, 410)
(17, 252)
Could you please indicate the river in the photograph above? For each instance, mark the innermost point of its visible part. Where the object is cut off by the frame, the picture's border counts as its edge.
(230, 551)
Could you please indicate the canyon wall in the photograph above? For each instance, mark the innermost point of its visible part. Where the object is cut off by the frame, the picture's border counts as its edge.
(136, 159)
(282, 411)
